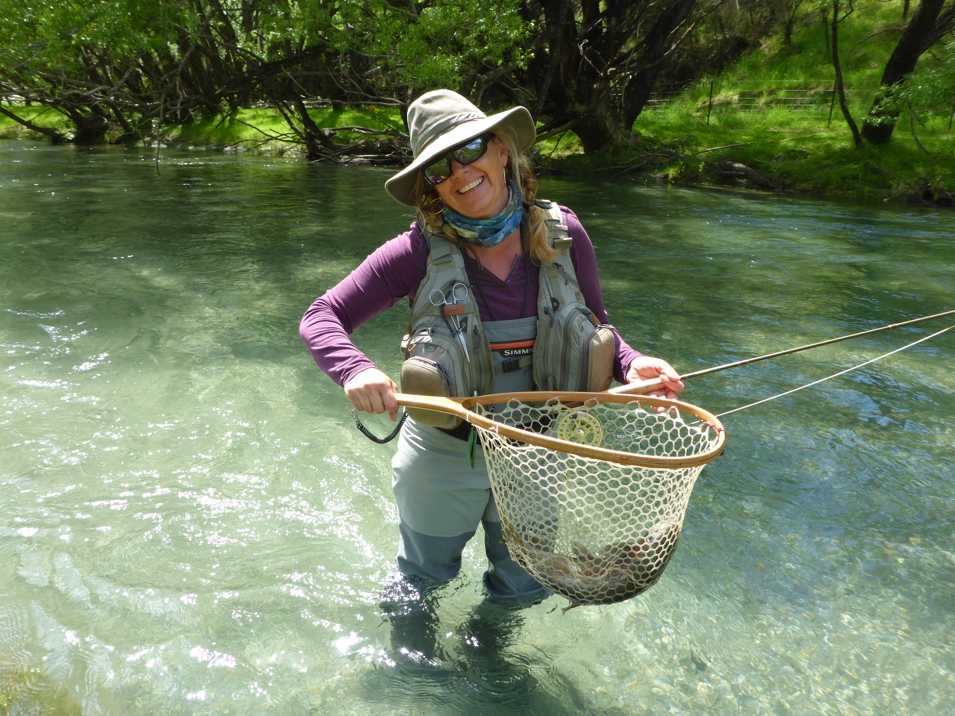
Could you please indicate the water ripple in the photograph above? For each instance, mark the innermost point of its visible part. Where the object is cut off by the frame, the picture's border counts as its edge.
(190, 523)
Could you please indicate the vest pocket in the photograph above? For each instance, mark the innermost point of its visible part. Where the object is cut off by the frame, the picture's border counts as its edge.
(433, 367)
(600, 350)
(578, 352)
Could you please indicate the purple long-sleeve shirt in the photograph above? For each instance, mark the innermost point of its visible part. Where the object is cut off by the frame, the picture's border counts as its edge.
(396, 270)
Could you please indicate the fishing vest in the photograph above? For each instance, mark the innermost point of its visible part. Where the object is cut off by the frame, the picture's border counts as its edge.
(449, 352)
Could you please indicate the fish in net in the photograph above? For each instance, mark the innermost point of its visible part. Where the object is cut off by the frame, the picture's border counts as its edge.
(596, 531)
(592, 488)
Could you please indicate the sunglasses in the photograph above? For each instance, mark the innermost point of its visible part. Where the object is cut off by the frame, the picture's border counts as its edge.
(440, 169)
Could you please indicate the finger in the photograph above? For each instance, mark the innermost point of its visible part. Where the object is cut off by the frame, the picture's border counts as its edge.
(354, 397)
(668, 370)
(665, 393)
(391, 403)
(674, 385)
(653, 370)
(363, 403)
(376, 402)
(368, 400)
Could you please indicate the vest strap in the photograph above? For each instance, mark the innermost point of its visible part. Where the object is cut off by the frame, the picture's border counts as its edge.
(571, 350)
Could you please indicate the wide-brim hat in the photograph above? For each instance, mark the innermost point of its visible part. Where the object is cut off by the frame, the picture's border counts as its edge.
(441, 120)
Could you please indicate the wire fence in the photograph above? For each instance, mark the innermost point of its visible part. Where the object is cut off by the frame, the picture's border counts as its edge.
(793, 95)
(799, 96)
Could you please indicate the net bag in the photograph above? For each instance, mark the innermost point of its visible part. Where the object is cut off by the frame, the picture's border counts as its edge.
(596, 531)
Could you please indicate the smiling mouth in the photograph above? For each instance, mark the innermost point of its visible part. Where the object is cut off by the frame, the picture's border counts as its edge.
(466, 189)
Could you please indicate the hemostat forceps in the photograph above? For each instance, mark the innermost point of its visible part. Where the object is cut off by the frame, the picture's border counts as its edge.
(450, 304)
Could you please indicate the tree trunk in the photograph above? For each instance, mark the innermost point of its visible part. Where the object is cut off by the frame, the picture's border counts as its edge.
(793, 9)
(91, 124)
(598, 128)
(824, 15)
(568, 89)
(856, 137)
(129, 133)
(318, 141)
(879, 123)
(55, 136)
(658, 43)
(588, 52)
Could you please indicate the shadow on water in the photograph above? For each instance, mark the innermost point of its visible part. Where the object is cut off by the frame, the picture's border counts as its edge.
(468, 668)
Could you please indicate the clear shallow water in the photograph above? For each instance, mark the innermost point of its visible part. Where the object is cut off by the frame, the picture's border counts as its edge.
(190, 523)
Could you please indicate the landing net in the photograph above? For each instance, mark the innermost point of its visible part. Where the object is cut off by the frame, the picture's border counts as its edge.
(595, 531)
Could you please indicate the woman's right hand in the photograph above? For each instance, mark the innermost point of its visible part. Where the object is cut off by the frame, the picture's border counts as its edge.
(371, 391)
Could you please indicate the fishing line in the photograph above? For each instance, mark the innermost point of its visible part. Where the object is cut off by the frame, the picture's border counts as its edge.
(790, 351)
(836, 375)
(642, 387)
(645, 386)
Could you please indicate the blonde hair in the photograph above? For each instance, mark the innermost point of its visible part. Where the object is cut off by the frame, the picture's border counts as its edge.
(518, 170)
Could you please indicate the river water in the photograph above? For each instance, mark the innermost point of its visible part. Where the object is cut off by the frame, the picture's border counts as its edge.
(190, 523)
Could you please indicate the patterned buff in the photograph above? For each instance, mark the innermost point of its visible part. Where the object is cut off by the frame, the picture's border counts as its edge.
(489, 232)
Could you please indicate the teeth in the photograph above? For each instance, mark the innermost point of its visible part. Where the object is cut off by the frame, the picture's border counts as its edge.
(470, 186)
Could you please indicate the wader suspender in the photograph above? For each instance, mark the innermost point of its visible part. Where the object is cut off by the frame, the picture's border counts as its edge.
(572, 350)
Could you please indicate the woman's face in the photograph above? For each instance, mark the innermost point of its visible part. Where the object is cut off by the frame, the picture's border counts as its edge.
(478, 190)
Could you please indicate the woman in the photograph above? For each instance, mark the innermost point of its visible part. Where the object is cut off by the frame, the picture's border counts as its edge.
(484, 264)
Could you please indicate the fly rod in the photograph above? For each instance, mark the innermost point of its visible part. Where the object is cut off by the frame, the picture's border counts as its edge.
(647, 385)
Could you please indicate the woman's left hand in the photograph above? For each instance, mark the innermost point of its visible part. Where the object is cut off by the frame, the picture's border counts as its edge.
(648, 368)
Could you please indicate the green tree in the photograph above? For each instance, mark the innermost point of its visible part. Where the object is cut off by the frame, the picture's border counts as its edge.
(596, 63)
(929, 90)
(930, 22)
(838, 17)
(122, 69)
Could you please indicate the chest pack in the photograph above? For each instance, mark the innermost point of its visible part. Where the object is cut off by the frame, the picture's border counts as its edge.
(449, 352)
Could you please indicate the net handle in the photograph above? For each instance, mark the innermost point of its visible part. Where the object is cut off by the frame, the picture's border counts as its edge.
(463, 408)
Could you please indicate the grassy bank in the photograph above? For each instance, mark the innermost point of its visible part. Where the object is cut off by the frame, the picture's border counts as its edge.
(772, 112)
(821, 161)
(768, 122)
(255, 129)
(266, 130)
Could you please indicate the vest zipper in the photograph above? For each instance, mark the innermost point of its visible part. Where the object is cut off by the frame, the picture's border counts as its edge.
(556, 358)
(585, 362)
(581, 378)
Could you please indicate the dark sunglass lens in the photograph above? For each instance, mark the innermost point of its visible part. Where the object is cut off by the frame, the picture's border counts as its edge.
(470, 152)
(438, 171)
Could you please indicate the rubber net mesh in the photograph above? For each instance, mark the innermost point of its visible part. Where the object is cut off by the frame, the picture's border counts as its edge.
(595, 532)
